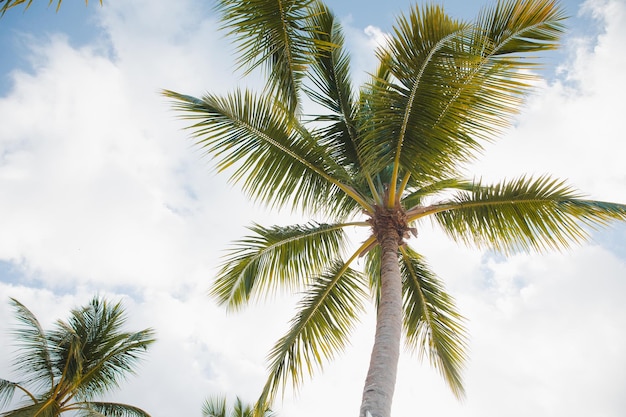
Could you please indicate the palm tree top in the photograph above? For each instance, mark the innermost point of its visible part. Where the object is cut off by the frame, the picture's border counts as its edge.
(387, 156)
(67, 368)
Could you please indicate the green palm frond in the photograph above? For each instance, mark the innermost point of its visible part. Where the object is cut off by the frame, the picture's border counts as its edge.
(51, 409)
(276, 256)
(275, 34)
(330, 78)
(432, 324)
(424, 46)
(98, 354)
(33, 358)
(326, 316)
(417, 194)
(276, 158)
(214, 407)
(7, 391)
(106, 409)
(522, 214)
(455, 84)
(7, 4)
(521, 27)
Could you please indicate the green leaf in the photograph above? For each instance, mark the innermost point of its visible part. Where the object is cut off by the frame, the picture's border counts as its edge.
(106, 409)
(523, 214)
(274, 257)
(275, 34)
(325, 318)
(277, 159)
(432, 324)
(33, 359)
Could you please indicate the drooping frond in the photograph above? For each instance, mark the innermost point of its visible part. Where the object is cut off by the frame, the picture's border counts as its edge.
(277, 159)
(33, 359)
(42, 409)
(274, 257)
(432, 324)
(325, 318)
(522, 214)
(105, 409)
(275, 34)
(7, 390)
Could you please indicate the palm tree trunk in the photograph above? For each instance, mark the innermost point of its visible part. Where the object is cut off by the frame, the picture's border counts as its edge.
(381, 376)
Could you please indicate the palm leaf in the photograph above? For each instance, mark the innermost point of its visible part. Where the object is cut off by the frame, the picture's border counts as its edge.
(34, 357)
(276, 256)
(274, 34)
(277, 159)
(321, 327)
(106, 409)
(7, 4)
(522, 214)
(432, 324)
(214, 407)
(42, 409)
(95, 350)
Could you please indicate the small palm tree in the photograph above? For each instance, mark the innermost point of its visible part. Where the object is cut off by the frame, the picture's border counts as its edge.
(66, 368)
(216, 407)
(385, 158)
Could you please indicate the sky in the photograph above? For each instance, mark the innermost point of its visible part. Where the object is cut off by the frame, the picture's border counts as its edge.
(102, 192)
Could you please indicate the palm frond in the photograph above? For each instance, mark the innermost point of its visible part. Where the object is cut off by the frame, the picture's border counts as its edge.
(432, 324)
(419, 192)
(214, 407)
(277, 159)
(96, 352)
(276, 256)
(275, 34)
(43, 409)
(106, 409)
(455, 85)
(522, 214)
(425, 45)
(34, 358)
(326, 315)
(521, 27)
(7, 391)
(7, 4)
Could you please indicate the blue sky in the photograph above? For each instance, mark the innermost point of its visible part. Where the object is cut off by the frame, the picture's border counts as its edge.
(102, 192)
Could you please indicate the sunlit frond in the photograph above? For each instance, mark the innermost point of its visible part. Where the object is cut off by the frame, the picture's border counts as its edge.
(277, 159)
(432, 324)
(274, 257)
(325, 318)
(523, 214)
(275, 34)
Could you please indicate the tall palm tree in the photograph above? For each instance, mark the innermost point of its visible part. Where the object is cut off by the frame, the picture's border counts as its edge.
(216, 407)
(385, 158)
(66, 368)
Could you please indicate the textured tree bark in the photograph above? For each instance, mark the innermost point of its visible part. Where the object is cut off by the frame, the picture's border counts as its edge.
(381, 377)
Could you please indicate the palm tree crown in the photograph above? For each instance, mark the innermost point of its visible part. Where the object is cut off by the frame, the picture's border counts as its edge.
(384, 157)
(66, 368)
